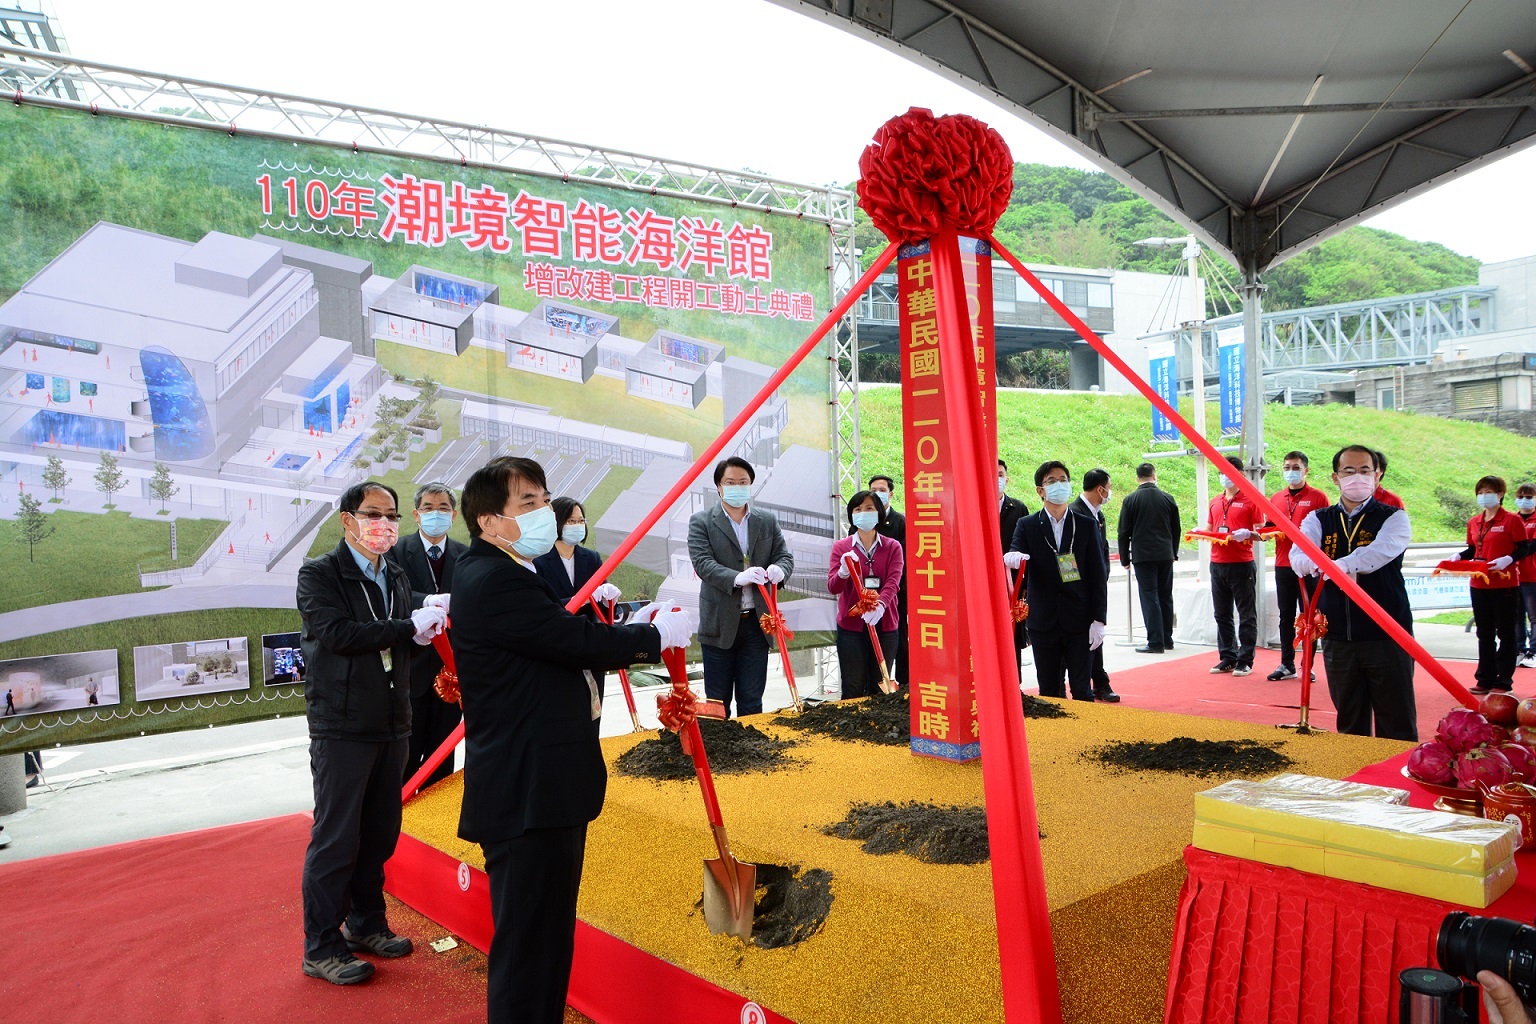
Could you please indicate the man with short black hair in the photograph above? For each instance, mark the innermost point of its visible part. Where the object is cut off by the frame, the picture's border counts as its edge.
(1298, 499)
(1383, 495)
(357, 631)
(735, 549)
(1009, 511)
(1091, 504)
(1149, 532)
(894, 526)
(1233, 576)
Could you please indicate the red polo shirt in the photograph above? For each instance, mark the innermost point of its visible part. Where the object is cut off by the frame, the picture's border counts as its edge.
(1296, 505)
(1386, 497)
(1527, 565)
(1493, 538)
(1228, 515)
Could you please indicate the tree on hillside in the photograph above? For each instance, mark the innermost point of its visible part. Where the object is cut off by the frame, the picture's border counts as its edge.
(54, 476)
(109, 478)
(31, 526)
(162, 486)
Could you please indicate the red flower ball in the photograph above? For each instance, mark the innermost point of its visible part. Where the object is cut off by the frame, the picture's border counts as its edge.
(923, 174)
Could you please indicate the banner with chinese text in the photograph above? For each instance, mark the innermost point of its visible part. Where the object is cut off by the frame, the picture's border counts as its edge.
(1162, 357)
(1229, 363)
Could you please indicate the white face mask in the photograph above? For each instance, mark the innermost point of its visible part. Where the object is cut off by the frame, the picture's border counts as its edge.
(1002, 485)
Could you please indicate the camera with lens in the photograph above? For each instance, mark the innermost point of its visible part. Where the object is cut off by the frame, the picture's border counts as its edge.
(1466, 945)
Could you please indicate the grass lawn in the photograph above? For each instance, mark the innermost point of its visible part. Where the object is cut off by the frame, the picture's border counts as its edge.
(125, 634)
(1450, 618)
(1430, 459)
(98, 555)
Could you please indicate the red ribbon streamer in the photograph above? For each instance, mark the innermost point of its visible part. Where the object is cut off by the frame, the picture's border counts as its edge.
(1017, 606)
(447, 682)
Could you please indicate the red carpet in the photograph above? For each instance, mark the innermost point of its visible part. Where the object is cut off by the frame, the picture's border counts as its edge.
(203, 926)
(1183, 684)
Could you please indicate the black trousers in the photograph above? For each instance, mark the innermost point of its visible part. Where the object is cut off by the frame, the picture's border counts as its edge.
(534, 882)
(1289, 603)
(1371, 679)
(1232, 588)
(1154, 585)
(1063, 652)
(357, 823)
(856, 660)
(432, 721)
(900, 672)
(1496, 612)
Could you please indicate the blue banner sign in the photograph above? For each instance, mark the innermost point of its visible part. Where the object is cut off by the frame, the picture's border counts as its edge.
(1229, 362)
(1162, 357)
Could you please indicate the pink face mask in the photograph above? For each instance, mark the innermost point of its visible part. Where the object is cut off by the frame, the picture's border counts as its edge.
(1357, 487)
(377, 535)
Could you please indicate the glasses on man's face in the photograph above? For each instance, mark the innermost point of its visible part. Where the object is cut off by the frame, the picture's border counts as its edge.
(1356, 471)
(393, 517)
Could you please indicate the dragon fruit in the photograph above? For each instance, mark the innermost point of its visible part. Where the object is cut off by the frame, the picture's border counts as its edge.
(1433, 762)
(1462, 729)
(1485, 765)
(1521, 761)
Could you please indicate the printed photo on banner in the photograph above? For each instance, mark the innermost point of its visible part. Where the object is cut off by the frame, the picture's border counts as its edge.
(168, 671)
(58, 682)
(282, 662)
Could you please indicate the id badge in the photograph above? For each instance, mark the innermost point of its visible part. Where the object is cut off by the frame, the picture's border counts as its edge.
(1068, 565)
(871, 582)
(1222, 529)
(388, 658)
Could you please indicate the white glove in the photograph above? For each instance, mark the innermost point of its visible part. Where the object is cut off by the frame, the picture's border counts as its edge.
(874, 615)
(1501, 563)
(1095, 635)
(1242, 535)
(842, 563)
(775, 574)
(1301, 565)
(1014, 559)
(607, 592)
(751, 576)
(437, 601)
(428, 623)
(675, 627)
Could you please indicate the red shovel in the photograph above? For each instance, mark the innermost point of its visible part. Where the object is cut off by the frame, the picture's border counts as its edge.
(606, 616)
(773, 622)
(1310, 627)
(730, 886)
(867, 600)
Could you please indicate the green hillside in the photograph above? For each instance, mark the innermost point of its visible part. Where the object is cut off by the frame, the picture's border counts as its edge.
(1433, 463)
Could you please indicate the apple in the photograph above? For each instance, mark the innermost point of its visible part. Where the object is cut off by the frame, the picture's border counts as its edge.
(1502, 709)
(1525, 711)
(1525, 735)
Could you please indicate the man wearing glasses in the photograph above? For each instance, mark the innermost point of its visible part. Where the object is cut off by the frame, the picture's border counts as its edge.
(358, 628)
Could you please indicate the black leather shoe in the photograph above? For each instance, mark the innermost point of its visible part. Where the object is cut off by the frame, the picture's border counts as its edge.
(1106, 696)
(1149, 650)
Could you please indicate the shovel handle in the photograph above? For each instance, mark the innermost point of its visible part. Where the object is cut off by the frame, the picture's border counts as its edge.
(770, 594)
(605, 616)
(706, 777)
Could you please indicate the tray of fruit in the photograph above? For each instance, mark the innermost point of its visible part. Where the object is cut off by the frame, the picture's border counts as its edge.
(1492, 745)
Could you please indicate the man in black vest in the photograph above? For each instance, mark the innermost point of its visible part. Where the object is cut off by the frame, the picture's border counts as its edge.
(1010, 511)
(894, 527)
(1149, 533)
(428, 559)
(1091, 504)
(1369, 675)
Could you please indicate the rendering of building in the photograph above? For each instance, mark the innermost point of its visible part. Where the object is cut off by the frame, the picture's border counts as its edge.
(429, 309)
(671, 368)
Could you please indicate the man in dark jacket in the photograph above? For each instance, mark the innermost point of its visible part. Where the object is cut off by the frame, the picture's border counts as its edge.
(894, 526)
(1009, 511)
(533, 771)
(358, 628)
(1149, 536)
(428, 559)
(1091, 504)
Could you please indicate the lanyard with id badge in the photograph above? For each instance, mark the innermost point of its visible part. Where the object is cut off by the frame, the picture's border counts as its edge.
(387, 656)
(1066, 562)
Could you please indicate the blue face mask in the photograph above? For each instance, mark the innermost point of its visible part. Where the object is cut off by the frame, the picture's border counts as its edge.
(1059, 493)
(866, 520)
(1293, 477)
(435, 524)
(1488, 500)
(736, 495)
(538, 532)
(1526, 504)
(884, 497)
(574, 533)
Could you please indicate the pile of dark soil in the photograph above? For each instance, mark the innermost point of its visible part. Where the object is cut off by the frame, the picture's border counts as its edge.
(1039, 707)
(886, 718)
(732, 748)
(1194, 757)
(938, 835)
(791, 905)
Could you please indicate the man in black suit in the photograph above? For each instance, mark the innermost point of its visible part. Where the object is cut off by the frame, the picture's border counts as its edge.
(1067, 581)
(894, 527)
(533, 771)
(1010, 511)
(1149, 533)
(428, 559)
(1091, 504)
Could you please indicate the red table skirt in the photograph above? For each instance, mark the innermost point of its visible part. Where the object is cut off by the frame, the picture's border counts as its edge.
(1255, 943)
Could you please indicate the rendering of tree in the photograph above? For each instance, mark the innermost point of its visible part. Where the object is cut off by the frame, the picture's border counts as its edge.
(32, 526)
(162, 486)
(109, 479)
(54, 477)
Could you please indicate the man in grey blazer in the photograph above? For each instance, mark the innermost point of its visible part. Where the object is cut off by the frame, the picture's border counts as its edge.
(734, 548)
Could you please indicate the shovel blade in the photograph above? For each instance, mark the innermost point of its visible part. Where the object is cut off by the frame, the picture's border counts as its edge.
(730, 894)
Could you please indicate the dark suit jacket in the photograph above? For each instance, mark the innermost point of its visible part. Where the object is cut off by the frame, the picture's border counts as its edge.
(1011, 512)
(895, 527)
(552, 571)
(532, 758)
(717, 559)
(1052, 603)
(1082, 508)
(1149, 529)
(411, 555)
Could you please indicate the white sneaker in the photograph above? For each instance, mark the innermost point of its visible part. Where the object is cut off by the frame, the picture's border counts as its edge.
(1526, 661)
(1242, 670)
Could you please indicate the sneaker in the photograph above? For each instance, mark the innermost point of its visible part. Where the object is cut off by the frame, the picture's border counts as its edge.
(1526, 661)
(385, 943)
(343, 969)
(1283, 672)
(1243, 670)
(5, 840)
(1225, 666)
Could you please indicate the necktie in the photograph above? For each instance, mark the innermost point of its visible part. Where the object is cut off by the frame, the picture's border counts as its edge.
(434, 552)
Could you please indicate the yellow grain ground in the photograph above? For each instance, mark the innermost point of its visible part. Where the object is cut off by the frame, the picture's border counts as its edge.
(908, 941)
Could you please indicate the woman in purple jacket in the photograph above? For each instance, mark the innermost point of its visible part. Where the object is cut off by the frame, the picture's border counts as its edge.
(879, 563)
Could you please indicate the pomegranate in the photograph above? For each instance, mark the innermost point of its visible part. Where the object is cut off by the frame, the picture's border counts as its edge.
(1433, 762)
(1485, 765)
(1500, 709)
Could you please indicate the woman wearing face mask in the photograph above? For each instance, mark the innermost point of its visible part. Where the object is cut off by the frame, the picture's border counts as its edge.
(1497, 536)
(879, 563)
(1525, 507)
(568, 565)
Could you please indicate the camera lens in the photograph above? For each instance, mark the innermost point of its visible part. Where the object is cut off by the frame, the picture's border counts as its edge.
(1470, 944)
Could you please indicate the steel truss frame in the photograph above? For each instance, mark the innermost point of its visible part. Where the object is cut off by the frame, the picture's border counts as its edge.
(46, 78)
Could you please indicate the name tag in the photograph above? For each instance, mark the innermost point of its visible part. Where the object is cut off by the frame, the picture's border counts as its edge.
(388, 658)
(1222, 529)
(871, 582)
(1068, 565)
